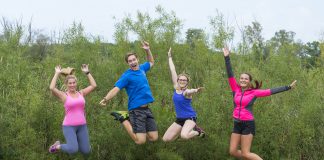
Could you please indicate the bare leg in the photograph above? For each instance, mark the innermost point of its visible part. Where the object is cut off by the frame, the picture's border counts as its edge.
(235, 141)
(246, 145)
(172, 132)
(139, 138)
(152, 136)
(187, 132)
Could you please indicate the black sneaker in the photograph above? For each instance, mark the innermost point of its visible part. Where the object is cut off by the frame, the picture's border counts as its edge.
(120, 115)
(201, 132)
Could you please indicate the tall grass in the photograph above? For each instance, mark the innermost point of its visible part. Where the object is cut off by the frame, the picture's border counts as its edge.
(289, 125)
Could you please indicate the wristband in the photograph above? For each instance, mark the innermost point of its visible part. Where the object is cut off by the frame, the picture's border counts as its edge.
(87, 72)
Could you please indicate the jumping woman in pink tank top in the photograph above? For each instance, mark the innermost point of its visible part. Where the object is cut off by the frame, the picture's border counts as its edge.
(244, 95)
(74, 124)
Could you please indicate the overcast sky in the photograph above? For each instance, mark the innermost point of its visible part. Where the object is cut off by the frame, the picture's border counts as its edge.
(304, 17)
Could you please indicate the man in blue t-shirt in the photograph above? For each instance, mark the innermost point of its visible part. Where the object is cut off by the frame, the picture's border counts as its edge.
(139, 122)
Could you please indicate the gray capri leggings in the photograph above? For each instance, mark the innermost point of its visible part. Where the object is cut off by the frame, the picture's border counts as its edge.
(77, 138)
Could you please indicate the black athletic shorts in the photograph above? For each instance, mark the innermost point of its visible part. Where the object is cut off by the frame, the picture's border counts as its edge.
(181, 121)
(142, 120)
(244, 127)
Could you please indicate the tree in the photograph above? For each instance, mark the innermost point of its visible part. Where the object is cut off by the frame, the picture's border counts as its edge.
(165, 28)
(194, 36)
(12, 34)
(281, 40)
(255, 40)
(311, 53)
(223, 33)
(75, 34)
(38, 50)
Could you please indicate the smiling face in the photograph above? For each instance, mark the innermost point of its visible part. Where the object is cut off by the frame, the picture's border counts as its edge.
(132, 61)
(245, 81)
(182, 81)
(71, 83)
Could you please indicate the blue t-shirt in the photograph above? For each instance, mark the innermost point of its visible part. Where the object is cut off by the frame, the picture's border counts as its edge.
(137, 86)
(183, 106)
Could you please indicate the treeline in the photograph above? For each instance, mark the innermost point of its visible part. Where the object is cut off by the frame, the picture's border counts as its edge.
(290, 125)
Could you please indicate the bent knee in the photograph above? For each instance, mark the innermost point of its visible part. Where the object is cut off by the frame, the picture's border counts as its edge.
(167, 139)
(153, 139)
(245, 155)
(185, 136)
(85, 151)
(72, 150)
(233, 152)
(140, 141)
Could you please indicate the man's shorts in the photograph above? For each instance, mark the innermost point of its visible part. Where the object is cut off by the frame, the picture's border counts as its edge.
(142, 120)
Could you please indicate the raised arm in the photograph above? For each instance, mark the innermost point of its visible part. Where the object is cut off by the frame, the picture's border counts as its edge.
(53, 88)
(93, 85)
(111, 94)
(229, 70)
(172, 70)
(228, 62)
(146, 47)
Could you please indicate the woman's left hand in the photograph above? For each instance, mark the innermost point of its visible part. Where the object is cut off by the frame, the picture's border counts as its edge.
(293, 84)
(199, 89)
(226, 51)
(85, 68)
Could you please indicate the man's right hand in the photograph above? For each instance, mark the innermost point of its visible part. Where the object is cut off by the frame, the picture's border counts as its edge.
(103, 102)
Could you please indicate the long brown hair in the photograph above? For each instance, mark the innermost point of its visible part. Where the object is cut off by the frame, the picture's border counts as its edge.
(258, 84)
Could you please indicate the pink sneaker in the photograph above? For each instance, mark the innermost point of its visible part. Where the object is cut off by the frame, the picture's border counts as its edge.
(53, 148)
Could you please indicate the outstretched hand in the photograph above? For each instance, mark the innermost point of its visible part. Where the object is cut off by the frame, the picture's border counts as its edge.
(169, 53)
(58, 69)
(199, 89)
(103, 102)
(145, 45)
(226, 51)
(85, 68)
(293, 84)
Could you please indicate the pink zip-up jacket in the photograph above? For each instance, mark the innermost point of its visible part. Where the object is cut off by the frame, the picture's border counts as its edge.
(244, 99)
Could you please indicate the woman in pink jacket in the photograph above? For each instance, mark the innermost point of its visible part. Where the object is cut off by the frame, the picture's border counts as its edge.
(244, 95)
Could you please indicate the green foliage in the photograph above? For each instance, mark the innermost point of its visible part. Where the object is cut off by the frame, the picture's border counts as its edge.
(281, 41)
(165, 28)
(289, 125)
(223, 32)
(196, 37)
(310, 54)
(255, 41)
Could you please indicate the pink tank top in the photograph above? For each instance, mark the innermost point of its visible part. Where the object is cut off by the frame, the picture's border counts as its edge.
(74, 111)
